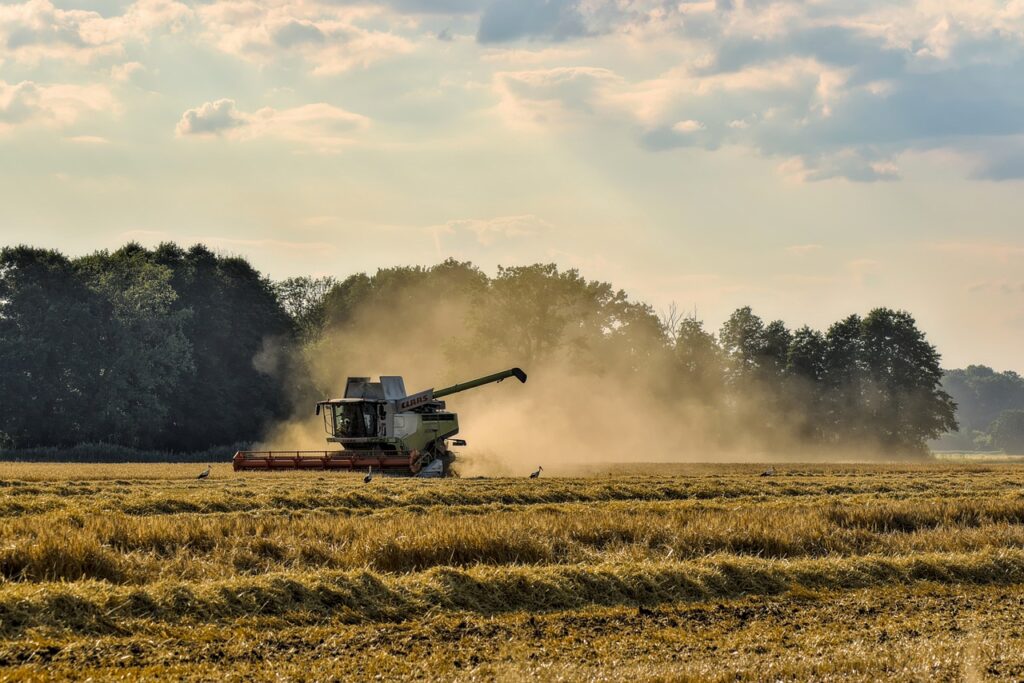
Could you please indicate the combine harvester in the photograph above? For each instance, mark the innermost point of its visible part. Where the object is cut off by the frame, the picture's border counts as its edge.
(381, 429)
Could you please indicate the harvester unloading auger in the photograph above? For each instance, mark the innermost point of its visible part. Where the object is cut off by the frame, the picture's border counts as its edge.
(379, 426)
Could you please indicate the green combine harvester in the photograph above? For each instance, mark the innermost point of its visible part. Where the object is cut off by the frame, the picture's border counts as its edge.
(382, 429)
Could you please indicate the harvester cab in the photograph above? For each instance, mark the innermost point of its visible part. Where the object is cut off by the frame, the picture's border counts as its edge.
(379, 425)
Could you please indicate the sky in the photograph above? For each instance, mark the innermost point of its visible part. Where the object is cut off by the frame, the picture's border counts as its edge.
(809, 159)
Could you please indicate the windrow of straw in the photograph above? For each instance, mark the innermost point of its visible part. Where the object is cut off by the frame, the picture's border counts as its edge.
(345, 494)
(357, 596)
(128, 549)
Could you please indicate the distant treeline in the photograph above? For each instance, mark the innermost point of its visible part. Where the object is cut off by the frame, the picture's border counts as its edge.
(182, 350)
(990, 409)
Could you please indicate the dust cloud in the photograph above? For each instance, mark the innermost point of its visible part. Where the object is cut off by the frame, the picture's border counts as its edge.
(568, 417)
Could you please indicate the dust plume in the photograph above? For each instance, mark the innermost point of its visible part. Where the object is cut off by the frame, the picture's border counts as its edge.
(614, 395)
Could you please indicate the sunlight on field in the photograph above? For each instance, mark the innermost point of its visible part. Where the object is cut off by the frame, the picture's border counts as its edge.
(655, 572)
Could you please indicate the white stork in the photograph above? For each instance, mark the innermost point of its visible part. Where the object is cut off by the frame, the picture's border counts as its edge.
(535, 475)
(369, 475)
(205, 473)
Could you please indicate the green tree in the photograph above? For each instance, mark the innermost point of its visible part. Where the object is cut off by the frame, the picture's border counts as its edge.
(143, 352)
(1008, 432)
(303, 299)
(806, 355)
(535, 313)
(743, 341)
(804, 382)
(842, 382)
(980, 394)
(903, 398)
(241, 340)
(775, 345)
(49, 334)
(699, 362)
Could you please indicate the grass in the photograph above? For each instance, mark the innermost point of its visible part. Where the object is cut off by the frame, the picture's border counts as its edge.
(662, 572)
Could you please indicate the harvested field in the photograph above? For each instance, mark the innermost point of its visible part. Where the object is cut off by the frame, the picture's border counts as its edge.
(661, 572)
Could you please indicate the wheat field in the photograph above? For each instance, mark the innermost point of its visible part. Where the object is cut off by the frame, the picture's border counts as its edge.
(660, 572)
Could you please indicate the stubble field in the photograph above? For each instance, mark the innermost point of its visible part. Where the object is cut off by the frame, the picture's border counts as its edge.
(662, 572)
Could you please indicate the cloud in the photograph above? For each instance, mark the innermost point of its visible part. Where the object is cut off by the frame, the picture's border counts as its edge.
(124, 73)
(331, 38)
(548, 96)
(507, 20)
(836, 90)
(851, 164)
(319, 126)
(687, 126)
(59, 105)
(211, 118)
(38, 30)
(490, 230)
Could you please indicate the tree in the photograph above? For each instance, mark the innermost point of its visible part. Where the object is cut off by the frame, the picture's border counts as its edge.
(241, 339)
(742, 339)
(981, 394)
(805, 373)
(700, 369)
(535, 313)
(842, 380)
(1008, 432)
(48, 337)
(903, 398)
(143, 352)
(303, 300)
(775, 344)
(806, 355)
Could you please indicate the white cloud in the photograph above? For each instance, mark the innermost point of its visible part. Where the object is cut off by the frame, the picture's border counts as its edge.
(211, 118)
(59, 105)
(319, 126)
(331, 38)
(38, 30)
(687, 126)
(550, 96)
(123, 73)
(835, 90)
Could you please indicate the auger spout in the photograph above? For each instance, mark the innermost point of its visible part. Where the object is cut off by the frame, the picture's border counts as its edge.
(472, 384)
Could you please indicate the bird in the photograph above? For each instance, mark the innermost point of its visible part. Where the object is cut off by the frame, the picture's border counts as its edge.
(768, 472)
(534, 475)
(205, 473)
(369, 475)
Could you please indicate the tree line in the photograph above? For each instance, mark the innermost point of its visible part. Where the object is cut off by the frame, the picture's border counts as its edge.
(150, 349)
(990, 410)
(183, 349)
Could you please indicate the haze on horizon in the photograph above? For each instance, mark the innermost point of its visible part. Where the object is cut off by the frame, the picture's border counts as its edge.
(810, 159)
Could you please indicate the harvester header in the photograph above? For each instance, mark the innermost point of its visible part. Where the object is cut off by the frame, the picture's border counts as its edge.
(379, 426)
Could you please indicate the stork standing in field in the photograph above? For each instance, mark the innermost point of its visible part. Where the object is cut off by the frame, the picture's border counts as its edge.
(369, 475)
(536, 475)
(770, 472)
(205, 473)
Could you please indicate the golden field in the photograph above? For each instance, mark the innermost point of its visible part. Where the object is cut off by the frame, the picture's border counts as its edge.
(660, 572)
